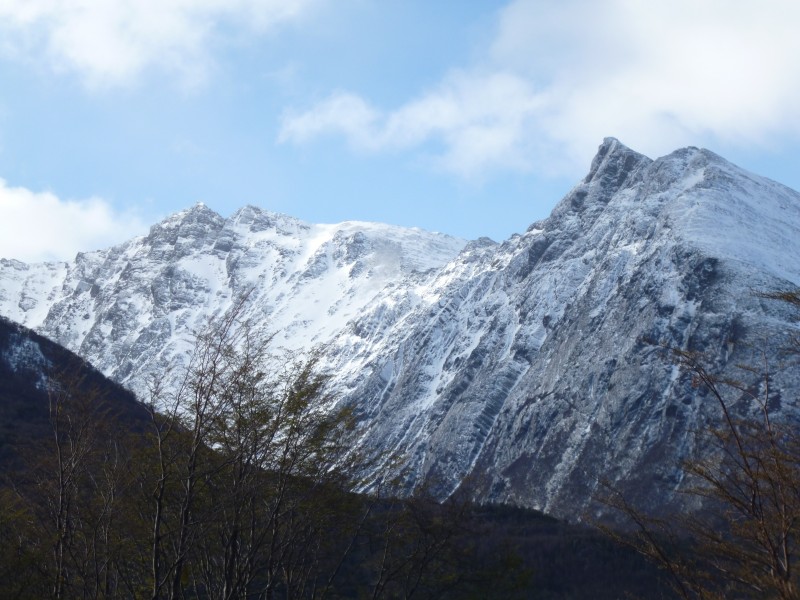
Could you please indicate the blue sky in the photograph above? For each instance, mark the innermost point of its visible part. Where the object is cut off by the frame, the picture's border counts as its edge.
(470, 117)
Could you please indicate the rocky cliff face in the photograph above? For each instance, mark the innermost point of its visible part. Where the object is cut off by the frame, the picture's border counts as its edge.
(531, 367)
(537, 372)
(133, 309)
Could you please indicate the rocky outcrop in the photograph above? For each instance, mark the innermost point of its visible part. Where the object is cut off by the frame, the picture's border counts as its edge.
(534, 368)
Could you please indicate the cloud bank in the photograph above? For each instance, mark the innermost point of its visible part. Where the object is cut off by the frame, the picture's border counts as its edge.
(37, 227)
(560, 76)
(112, 42)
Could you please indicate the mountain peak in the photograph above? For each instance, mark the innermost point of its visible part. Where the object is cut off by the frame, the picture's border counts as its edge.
(199, 210)
(199, 213)
(521, 364)
(614, 162)
(256, 218)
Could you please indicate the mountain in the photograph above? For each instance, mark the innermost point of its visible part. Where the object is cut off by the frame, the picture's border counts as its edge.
(132, 309)
(32, 369)
(539, 371)
(532, 369)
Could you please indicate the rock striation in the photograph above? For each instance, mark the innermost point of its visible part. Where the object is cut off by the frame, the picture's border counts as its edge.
(534, 368)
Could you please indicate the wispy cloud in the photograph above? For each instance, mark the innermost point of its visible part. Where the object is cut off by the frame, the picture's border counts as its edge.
(480, 120)
(559, 76)
(343, 113)
(40, 226)
(111, 42)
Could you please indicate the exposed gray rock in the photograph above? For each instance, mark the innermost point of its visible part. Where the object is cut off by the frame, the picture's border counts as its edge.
(132, 310)
(537, 371)
(533, 367)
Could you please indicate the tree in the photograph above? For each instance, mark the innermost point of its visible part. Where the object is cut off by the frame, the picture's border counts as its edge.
(235, 481)
(251, 462)
(745, 541)
(66, 505)
(228, 489)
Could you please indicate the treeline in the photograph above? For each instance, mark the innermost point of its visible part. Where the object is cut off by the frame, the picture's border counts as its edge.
(238, 487)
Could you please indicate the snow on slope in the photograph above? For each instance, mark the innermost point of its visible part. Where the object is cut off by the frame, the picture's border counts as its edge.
(524, 364)
(132, 308)
(28, 291)
(527, 365)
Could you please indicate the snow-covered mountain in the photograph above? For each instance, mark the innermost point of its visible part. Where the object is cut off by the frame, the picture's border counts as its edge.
(531, 367)
(535, 369)
(131, 309)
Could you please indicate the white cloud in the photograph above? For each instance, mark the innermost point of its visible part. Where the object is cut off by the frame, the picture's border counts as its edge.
(111, 42)
(340, 113)
(480, 119)
(560, 76)
(659, 74)
(39, 226)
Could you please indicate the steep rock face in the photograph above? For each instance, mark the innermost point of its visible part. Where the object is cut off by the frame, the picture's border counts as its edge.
(533, 368)
(133, 309)
(536, 368)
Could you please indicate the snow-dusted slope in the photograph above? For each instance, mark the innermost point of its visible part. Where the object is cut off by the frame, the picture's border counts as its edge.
(533, 367)
(131, 308)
